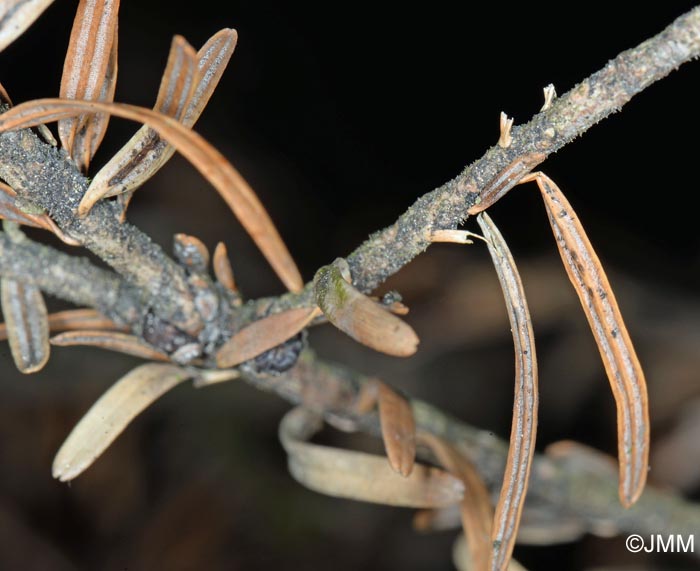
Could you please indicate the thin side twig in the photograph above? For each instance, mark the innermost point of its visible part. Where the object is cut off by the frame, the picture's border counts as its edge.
(573, 487)
(70, 278)
(568, 117)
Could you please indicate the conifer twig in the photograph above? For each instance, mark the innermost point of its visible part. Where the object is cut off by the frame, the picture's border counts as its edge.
(144, 277)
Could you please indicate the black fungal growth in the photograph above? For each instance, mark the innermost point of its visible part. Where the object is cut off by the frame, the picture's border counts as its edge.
(164, 335)
(281, 358)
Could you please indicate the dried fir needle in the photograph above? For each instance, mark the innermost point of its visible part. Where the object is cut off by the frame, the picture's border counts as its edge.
(143, 155)
(209, 162)
(187, 85)
(264, 334)
(89, 72)
(223, 269)
(359, 316)
(525, 404)
(26, 324)
(191, 252)
(398, 429)
(505, 180)
(614, 344)
(112, 341)
(475, 508)
(16, 16)
(358, 475)
(111, 414)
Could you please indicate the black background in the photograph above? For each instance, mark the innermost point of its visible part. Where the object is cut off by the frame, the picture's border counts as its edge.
(340, 116)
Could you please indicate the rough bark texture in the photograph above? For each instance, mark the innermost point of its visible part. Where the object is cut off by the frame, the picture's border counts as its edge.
(581, 486)
(43, 177)
(70, 278)
(571, 115)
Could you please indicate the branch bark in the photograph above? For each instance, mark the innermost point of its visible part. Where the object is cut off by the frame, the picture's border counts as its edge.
(44, 177)
(581, 485)
(603, 93)
(70, 278)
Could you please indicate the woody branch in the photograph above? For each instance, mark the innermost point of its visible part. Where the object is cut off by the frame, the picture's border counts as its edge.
(45, 177)
(574, 487)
